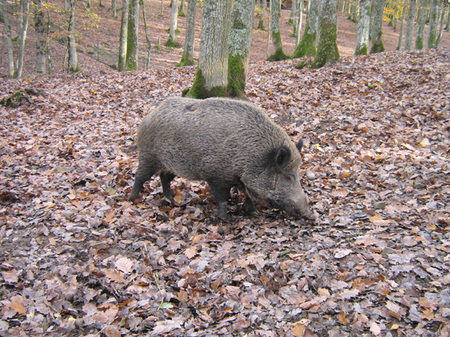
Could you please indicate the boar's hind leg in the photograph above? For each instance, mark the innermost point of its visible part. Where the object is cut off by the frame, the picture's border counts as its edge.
(221, 194)
(143, 173)
(166, 178)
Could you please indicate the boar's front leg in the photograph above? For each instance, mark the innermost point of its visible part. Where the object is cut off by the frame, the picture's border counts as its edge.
(166, 178)
(221, 193)
(145, 171)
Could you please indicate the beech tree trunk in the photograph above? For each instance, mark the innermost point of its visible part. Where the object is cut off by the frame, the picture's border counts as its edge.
(173, 25)
(41, 42)
(362, 36)
(240, 41)
(133, 34)
(73, 58)
(9, 42)
(307, 45)
(211, 78)
(421, 23)
(23, 28)
(327, 50)
(278, 53)
(188, 55)
(123, 37)
(433, 24)
(377, 43)
(400, 38)
(410, 25)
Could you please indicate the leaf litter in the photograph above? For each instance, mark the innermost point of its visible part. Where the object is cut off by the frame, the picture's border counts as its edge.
(78, 259)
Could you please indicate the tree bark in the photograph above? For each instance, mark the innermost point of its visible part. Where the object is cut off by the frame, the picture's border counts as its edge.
(362, 36)
(147, 38)
(433, 24)
(421, 23)
(188, 55)
(72, 48)
(327, 50)
(410, 25)
(41, 42)
(307, 45)
(377, 43)
(123, 37)
(173, 25)
(211, 78)
(133, 34)
(23, 28)
(240, 41)
(276, 34)
(9, 42)
(400, 38)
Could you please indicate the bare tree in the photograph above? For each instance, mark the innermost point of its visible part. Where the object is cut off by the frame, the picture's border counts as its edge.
(72, 47)
(278, 53)
(421, 23)
(362, 36)
(173, 25)
(240, 41)
(327, 50)
(41, 42)
(211, 78)
(410, 24)
(188, 55)
(377, 43)
(307, 45)
(434, 18)
(133, 34)
(123, 37)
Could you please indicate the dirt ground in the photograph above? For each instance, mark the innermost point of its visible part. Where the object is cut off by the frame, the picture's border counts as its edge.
(98, 47)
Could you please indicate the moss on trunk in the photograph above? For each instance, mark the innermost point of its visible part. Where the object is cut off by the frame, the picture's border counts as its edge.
(236, 76)
(279, 53)
(306, 46)
(199, 90)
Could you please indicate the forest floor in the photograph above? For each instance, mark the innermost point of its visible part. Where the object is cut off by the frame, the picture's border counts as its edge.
(78, 259)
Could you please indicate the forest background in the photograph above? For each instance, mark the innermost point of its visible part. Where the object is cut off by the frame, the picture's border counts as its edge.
(78, 259)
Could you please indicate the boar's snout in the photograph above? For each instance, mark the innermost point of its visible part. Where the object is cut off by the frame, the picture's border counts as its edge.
(298, 211)
(297, 207)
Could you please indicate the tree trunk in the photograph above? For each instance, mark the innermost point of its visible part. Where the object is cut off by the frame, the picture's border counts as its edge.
(9, 42)
(147, 38)
(299, 22)
(173, 25)
(327, 50)
(362, 36)
(421, 23)
(400, 38)
(441, 27)
(114, 8)
(377, 43)
(211, 78)
(133, 34)
(123, 37)
(307, 45)
(72, 48)
(41, 45)
(188, 55)
(410, 25)
(433, 24)
(23, 28)
(240, 41)
(181, 12)
(276, 34)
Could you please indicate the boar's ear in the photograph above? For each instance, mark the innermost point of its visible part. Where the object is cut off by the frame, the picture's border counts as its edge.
(299, 145)
(282, 157)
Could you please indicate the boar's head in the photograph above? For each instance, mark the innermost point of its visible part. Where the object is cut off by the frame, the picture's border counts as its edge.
(275, 179)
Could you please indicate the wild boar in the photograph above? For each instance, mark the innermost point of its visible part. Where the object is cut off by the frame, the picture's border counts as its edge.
(226, 143)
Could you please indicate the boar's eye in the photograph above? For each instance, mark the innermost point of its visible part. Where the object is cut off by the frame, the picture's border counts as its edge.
(282, 157)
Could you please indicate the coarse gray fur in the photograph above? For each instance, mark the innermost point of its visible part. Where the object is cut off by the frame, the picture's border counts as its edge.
(225, 143)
